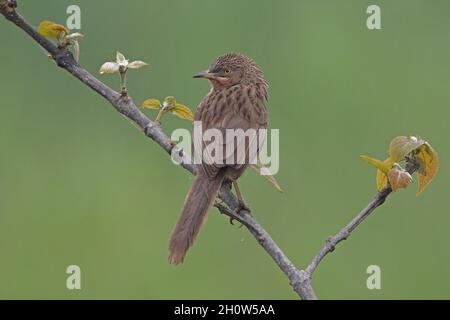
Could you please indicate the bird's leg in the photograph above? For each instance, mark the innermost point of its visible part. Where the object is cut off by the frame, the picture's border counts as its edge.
(228, 183)
(241, 203)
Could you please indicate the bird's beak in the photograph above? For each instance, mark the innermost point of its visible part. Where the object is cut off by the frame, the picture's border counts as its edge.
(205, 74)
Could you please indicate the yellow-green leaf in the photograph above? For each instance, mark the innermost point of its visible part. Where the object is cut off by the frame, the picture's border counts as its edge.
(429, 165)
(383, 168)
(382, 178)
(151, 104)
(50, 29)
(183, 112)
(401, 146)
(380, 165)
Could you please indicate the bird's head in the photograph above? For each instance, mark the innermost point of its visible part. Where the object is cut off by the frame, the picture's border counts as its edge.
(231, 69)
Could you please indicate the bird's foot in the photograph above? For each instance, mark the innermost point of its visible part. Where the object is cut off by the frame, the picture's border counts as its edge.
(242, 206)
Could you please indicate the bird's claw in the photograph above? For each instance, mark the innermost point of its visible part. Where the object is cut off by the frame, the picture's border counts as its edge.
(242, 206)
(232, 223)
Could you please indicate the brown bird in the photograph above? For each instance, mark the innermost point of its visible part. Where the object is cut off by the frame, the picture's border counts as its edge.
(236, 101)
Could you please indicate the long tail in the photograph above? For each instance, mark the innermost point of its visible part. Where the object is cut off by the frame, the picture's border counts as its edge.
(198, 201)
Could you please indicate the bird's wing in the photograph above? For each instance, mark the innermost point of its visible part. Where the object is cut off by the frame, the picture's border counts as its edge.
(231, 143)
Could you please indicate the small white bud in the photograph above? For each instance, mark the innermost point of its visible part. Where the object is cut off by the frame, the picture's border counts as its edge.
(120, 58)
(137, 64)
(74, 36)
(109, 67)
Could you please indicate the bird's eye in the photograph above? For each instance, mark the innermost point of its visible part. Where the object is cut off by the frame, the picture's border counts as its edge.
(226, 71)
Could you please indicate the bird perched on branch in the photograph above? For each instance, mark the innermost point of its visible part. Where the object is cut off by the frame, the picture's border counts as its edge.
(236, 101)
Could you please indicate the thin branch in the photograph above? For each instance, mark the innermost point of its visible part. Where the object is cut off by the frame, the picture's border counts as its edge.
(151, 129)
(344, 233)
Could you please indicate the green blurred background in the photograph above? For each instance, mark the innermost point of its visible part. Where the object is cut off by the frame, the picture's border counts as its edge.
(79, 185)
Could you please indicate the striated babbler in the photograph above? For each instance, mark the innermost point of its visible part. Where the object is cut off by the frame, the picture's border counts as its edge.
(236, 101)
